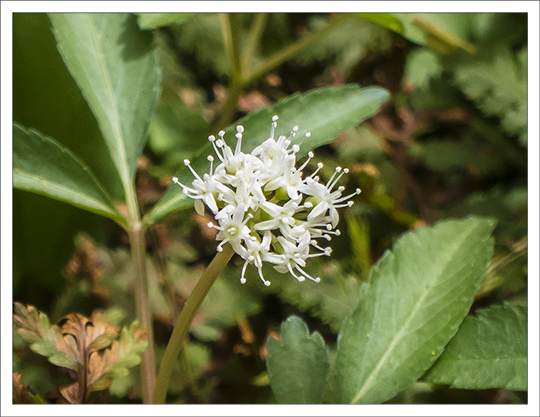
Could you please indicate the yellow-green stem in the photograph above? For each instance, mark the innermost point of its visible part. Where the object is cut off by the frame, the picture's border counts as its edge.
(183, 323)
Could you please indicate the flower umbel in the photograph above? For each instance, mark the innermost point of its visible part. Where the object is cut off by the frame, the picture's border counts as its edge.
(265, 209)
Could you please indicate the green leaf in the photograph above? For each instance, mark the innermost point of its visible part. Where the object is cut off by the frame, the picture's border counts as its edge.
(498, 87)
(358, 228)
(123, 354)
(488, 351)
(422, 66)
(156, 20)
(443, 32)
(450, 154)
(298, 366)
(386, 20)
(176, 133)
(331, 300)
(114, 64)
(43, 166)
(325, 113)
(47, 99)
(416, 298)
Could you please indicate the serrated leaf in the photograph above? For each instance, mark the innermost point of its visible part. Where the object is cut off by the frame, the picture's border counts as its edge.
(298, 365)
(104, 366)
(499, 88)
(85, 345)
(332, 299)
(488, 351)
(417, 297)
(90, 335)
(325, 113)
(156, 20)
(114, 64)
(46, 340)
(43, 166)
(114, 362)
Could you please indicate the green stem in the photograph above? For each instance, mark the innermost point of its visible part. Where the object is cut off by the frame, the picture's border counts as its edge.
(142, 303)
(253, 39)
(231, 37)
(183, 323)
(229, 109)
(291, 50)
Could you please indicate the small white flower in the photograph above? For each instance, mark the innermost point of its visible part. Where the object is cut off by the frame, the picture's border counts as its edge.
(325, 199)
(232, 227)
(265, 208)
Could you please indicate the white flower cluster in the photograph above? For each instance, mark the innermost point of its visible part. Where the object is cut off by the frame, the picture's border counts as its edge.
(265, 209)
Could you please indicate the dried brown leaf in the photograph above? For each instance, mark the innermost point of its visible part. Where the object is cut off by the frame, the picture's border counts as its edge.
(85, 262)
(87, 346)
(98, 366)
(20, 391)
(70, 393)
(31, 324)
(90, 335)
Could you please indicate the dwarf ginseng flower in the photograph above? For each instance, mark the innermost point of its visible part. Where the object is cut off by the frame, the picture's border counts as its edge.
(265, 208)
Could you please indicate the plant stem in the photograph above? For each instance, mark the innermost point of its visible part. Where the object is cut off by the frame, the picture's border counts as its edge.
(144, 312)
(229, 109)
(142, 303)
(231, 37)
(183, 323)
(253, 39)
(291, 50)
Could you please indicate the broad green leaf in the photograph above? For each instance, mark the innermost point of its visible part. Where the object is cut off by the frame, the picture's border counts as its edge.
(156, 20)
(325, 113)
(114, 64)
(488, 351)
(43, 166)
(47, 99)
(417, 297)
(298, 365)
(58, 108)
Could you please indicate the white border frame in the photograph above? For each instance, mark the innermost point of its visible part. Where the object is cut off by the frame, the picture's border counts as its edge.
(8, 8)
